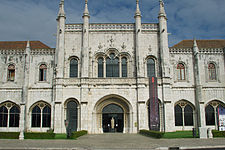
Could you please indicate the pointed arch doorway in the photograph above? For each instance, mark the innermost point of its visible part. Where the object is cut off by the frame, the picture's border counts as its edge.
(112, 118)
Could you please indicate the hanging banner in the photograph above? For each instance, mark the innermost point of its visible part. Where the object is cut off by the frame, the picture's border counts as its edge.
(221, 114)
(154, 123)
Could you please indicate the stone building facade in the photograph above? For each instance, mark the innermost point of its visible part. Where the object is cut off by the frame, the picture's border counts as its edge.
(98, 78)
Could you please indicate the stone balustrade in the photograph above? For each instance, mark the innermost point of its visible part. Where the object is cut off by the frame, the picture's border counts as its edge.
(110, 27)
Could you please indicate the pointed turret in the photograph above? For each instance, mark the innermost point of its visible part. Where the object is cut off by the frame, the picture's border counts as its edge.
(85, 43)
(26, 67)
(139, 62)
(163, 41)
(162, 12)
(59, 55)
(198, 87)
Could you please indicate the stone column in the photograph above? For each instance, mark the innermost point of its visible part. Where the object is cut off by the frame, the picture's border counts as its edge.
(142, 115)
(59, 126)
(104, 68)
(22, 121)
(120, 67)
(169, 115)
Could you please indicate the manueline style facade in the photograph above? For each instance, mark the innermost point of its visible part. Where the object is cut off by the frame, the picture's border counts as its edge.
(98, 79)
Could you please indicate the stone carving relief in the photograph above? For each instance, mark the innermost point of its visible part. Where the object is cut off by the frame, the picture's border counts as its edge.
(100, 46)
(123, 46)
(150, 48)
(111, 40)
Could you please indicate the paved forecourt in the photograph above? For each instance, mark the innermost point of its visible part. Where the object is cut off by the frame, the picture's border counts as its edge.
(110, 142)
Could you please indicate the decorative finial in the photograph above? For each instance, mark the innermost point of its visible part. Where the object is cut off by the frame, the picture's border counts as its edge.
(28, 44)
(61, 9)
(195, 42)
(86, 12)
(162, 9)
(195, 47)
(138, 12)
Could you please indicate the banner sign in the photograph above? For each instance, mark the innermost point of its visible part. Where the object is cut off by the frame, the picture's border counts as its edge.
(154, 121)
(221, 114)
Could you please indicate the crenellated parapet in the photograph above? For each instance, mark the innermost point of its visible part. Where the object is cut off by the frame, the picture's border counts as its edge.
(33, 52)
(217, 51)
(43, 51)
(12, 51)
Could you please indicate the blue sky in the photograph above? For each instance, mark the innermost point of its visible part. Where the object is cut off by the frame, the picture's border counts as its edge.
(36, 19)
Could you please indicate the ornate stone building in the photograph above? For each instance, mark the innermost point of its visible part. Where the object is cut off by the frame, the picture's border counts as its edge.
(98, 79)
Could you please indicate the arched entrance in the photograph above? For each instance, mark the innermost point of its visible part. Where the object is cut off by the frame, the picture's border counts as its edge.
(112, 118)
(71, 115)
(112, 113)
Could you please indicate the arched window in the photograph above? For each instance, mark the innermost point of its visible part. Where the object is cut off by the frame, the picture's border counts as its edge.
(183, 114)
(112, 66)
(180, 71)
(72, 115)
(73, 68)
(112, 108)
(9, 115)
(41, 115)
(212, 113)
(178, 116)
(42, 72)
(151, 67)
(100, 67)
(11, 73)
(36, 117)
(188, 115)
(46, 115)
(212, 71)
(3, 116)
(124, 67)
(14, 117)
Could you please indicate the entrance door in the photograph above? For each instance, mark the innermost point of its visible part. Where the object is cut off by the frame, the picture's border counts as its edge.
(72, 115)
(112, 118)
